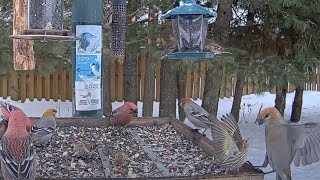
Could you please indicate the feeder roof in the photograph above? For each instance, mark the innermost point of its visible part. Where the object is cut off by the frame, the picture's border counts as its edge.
(188, 8)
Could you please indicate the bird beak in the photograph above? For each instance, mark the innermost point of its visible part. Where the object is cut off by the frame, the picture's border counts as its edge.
(4, 122)
(259, 121)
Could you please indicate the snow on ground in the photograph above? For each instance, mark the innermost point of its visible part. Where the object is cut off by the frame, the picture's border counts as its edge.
(248, 113)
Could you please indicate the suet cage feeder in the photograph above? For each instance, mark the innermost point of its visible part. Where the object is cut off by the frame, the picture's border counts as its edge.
(189, 24)
(118, 29)
(45, 22)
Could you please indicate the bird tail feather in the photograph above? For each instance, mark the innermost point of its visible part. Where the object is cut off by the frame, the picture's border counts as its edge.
(278, 177)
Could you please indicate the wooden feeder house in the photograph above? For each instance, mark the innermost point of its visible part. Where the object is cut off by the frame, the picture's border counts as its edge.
(45, 22)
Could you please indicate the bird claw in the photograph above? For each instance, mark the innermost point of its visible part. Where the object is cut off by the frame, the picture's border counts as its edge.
(249, 163)
(195, 130)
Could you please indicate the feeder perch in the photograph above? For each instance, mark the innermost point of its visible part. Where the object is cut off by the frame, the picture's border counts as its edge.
(118, 29)
(45, 22)
(189, 24)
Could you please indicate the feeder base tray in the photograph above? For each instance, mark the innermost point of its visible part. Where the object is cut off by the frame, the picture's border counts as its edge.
(190, 55)
(45, 34)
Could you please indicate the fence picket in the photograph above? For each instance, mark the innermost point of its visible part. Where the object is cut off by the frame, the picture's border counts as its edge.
(22, 85)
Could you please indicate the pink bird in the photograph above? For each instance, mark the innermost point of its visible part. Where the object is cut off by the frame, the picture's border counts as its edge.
(16, 149)
(197, 115)
(6, 108)
(124, 114)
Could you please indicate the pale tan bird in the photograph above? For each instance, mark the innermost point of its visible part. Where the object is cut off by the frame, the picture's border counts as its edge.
(119, 158)
(84, 150)
(216, 49)
(276, 115)
(43, 130)
(226, 152)
(287, 143)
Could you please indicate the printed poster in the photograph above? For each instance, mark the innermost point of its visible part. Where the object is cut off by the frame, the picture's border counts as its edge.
(88, 67)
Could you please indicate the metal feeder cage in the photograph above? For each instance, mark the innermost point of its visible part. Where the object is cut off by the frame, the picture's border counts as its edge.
(118, 29)
(45, 22)
(189, 24)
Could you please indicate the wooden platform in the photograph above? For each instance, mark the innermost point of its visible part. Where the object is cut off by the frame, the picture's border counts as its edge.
(202, 142)
(45, 34)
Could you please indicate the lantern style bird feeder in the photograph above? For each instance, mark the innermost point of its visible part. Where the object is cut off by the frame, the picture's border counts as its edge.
(118, 29)
(189, 24)
(45, 22)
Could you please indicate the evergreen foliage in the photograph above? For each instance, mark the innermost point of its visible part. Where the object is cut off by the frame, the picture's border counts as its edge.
(278, 40)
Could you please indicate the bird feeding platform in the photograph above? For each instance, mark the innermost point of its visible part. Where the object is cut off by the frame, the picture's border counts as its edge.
(147, 148)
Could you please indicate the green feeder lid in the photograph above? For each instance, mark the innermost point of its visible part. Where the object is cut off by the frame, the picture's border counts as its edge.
(189, 7)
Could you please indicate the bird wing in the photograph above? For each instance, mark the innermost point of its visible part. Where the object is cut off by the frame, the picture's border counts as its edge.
(233, 162)
(46, 122)
(200, 113)
(9, 107)
(221, 140)
(230, 123)
(305, 139)
(25, 168)
(41, 131)
(5, 109)
(115, 113)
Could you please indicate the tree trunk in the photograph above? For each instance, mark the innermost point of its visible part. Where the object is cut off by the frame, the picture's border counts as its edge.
(130, 64)
(130, 75)
(280, 102)
(168, 89)
(148, 95)
(23, 54)
(107, 106)
(297, 105)
(237, 97)
(211, 91)
(214, 73)
(181, 85)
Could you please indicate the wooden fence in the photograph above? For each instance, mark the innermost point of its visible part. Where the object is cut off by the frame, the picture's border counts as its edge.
(20, 85)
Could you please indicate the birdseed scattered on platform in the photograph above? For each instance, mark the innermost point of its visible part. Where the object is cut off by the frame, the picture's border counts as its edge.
(73, 153)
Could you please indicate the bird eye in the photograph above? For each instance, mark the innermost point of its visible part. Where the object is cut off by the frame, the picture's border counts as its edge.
(267, 115)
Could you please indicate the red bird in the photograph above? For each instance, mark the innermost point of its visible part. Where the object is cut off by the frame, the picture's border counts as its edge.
(6, 109)
(124, 114)
(17, 154)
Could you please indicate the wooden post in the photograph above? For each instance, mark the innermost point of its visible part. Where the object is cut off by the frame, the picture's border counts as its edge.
(63, 85)
(23, 86)
(189, 84)
(158, 66)
(30, 85)
(142, 75)
(39, 87)
(55, 87)
(4, 87)
(196, 83)
(47, 87)
(113, 81)
(23, 55)
(203, 70)
(69, 85)
(13, 85)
